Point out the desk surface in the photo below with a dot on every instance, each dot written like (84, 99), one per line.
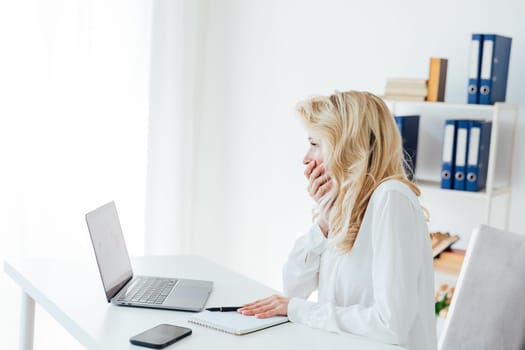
(84, 312)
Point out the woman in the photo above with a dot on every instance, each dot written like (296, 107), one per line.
(369, 253)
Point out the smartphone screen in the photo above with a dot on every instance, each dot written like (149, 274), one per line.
(160, 336)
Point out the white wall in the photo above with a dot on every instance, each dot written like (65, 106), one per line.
(74, 77)
(262, 57)
(73, 127)
(176, 53)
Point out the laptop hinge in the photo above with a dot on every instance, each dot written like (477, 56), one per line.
(115, 290)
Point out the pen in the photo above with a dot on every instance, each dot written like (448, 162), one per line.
(224, 308)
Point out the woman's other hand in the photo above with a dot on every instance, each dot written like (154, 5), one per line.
(318, 185)
(276, 305)
(318, 182)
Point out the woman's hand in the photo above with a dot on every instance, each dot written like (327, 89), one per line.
(318, 182)
(318, 185)
(275, 305)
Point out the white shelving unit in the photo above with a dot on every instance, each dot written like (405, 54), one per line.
(459, 212)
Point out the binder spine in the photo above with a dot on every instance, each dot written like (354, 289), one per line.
(485, 88)
(479, 148)
(447, 162)
(473, 156)
(483, 167)
(409, 129)
(476, 46)
(500, 68)
(461, 154)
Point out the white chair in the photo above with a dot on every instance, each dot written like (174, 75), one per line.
(488, 307)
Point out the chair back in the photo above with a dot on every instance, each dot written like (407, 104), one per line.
(488, 307)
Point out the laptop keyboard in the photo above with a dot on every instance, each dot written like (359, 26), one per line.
(148, 291)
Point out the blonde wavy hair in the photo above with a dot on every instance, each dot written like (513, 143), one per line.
(361, 148)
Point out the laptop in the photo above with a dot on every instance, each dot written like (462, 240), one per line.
(124, 288)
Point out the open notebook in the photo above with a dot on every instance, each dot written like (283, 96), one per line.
(234, 322)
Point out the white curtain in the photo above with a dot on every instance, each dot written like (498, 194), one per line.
(224, 159)
(176, 52)
(73, 133)
(73, 130)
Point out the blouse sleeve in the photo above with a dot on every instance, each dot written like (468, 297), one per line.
(301, 271)
(395, 266)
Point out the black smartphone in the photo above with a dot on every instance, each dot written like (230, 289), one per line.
(160, 336)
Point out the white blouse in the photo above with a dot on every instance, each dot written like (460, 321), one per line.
(383, 288)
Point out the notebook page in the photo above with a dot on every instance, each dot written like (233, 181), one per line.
(234, 322)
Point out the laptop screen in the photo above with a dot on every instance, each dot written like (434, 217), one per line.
(110, 249)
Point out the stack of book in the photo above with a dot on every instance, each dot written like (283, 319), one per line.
(441, 241)
(446, 259)
(450, 261)
(407, 89)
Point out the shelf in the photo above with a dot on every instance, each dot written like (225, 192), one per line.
(502, 105)
(433, 186)
(459, 212)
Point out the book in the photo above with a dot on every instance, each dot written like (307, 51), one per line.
(234, 322)
(404, 98)
(437, 79)
(415, 82)
(406, 91)
(408, 126)
(455, 255)
(409, 85)
(441, 241)
(450, 261)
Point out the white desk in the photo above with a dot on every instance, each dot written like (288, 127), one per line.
(84, 312)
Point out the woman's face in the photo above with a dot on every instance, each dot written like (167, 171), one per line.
(314, 153)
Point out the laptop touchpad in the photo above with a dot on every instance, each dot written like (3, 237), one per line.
(188, 296)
